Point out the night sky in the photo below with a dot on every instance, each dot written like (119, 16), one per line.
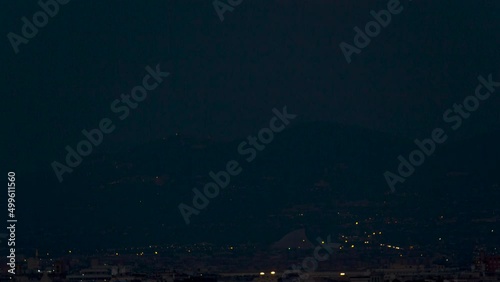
(226, 77)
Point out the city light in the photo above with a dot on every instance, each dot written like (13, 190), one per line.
(342, 273)
(273, 272)
(262, 273)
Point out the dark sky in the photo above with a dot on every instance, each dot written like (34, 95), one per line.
(227, 76)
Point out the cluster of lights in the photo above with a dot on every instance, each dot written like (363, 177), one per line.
(366, 242)
(392, 247)
(263, 273)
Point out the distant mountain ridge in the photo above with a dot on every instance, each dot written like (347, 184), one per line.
(316, 164)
